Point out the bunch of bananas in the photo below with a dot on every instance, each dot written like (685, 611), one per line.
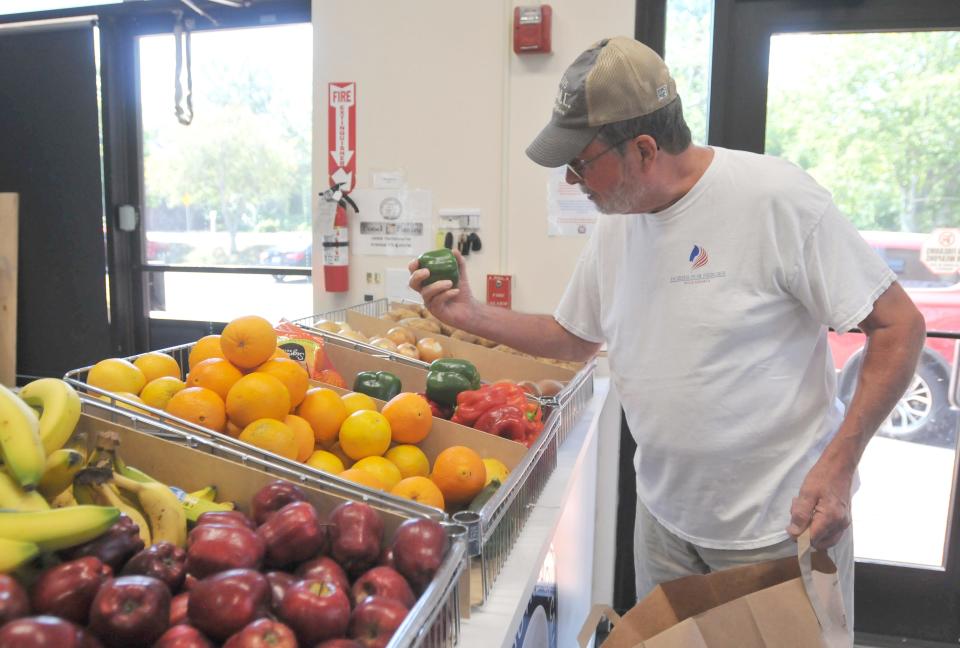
(53, 496)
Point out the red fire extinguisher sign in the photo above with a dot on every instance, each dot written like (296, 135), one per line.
(342, 134)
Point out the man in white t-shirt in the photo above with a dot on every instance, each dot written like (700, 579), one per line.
(712, 282)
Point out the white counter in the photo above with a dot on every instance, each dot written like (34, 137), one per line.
(564, 516)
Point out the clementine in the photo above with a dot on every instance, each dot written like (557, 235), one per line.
(365, 434)
(199, 405)
(216, 374)
(324, 410)
(256, 396)
(459, 473)
(206, 347)
(381, 468)
(271, 435)
(158, 392)
(410, 459)
(233, 429)
(409, 416)
(356, 401)
(156, 364)
(303, 433)
(419, 489)
(291, 374)
(117, 375)
(325, 461)
(248, 341)
(363, 478)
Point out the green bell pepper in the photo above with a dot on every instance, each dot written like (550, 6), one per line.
(442, 265)
(377, 384)
(447, 377)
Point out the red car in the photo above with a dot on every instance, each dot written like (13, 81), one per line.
(924, 413)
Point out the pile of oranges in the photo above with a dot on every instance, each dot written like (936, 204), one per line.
(240, 383)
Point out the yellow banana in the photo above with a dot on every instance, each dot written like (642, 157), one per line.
(168, 521)
(194, 507)
(57, 528)
(65, 498)
(110, 497)
(61, 467)
(60, 410)
(208, 493)
(14, 553)
(20, 443)
(14, 498)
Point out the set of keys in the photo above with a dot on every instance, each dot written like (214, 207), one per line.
(467, 243)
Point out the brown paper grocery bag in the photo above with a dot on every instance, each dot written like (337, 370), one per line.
(786, 603)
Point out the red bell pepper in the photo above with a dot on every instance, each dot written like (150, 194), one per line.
(502, 409)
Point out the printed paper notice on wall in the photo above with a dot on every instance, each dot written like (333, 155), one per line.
(392, 222)
(342, 134)
(569, 211)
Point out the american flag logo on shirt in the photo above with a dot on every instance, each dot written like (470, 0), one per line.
(698, 257)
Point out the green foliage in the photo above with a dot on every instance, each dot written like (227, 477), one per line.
(689, 42)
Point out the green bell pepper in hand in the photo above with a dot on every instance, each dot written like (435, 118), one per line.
(442, 265)
(377, 384)
(447, 377)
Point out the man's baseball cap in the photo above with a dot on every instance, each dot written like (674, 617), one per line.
(616, 79)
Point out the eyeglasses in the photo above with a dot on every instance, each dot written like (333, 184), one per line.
(578, 167)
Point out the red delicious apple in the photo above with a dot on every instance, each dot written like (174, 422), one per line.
(178, 608)
(213, 548)
(418, 549)
(224, 603)
(356, 531)
(326, 569)
(273, 497)
(113, 547)
(163, 560)
(189, 581)
(263, 633)
(44, 632)
(13, 600)
(293, 534)
(386, 557)
(339, 643)
(130, 611)
(182, 636)
(383, 581)
(374, 621)
(315, 610)
(238, 518)
(67, 590)
(280, 582)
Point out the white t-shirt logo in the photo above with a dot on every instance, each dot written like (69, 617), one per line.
(698, 257)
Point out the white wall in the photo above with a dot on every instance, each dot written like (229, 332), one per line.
(441, 95)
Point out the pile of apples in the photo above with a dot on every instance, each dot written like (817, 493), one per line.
(283, 577)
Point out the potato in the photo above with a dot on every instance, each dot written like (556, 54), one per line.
(399, 335)
(384, 343)
(550, 387)
(457, 334)
(409, 350)
(343, 327)
(403, 313)
(530, 387)
(421, 324)
(326, 325)
(485, 342)
(429, 349)
(355, 335)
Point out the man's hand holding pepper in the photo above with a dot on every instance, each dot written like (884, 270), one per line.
(450, 305)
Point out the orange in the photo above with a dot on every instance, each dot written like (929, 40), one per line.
(117, 375)
(324, 410)
(199, 405)
(256, 396)
(156, 364)
(206, 347)
(496, 469)
(271, 435)
(158, 392)
(356, 401)
(291, 374)
(419, 489)
(233, 429)
(303, 433)
(216, 374)
(127, 395)
(248, 341)
(332, 377)
(325, 461)
(365, 434)
(362, 477)
(382, 469)
(459, 473)
(409, 416)
(410, 460)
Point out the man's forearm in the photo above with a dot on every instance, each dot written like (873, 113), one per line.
(538, 335)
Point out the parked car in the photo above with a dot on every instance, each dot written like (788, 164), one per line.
(924, 413)
(296, 256)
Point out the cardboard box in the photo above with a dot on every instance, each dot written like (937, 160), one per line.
(786, 603)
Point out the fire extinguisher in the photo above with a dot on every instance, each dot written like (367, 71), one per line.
(336, 244)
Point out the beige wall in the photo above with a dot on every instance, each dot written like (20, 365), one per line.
(441, 95)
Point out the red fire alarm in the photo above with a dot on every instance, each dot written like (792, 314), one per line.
(531, 29)
(498, 290)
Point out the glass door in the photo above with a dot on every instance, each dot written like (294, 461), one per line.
(867, 100)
